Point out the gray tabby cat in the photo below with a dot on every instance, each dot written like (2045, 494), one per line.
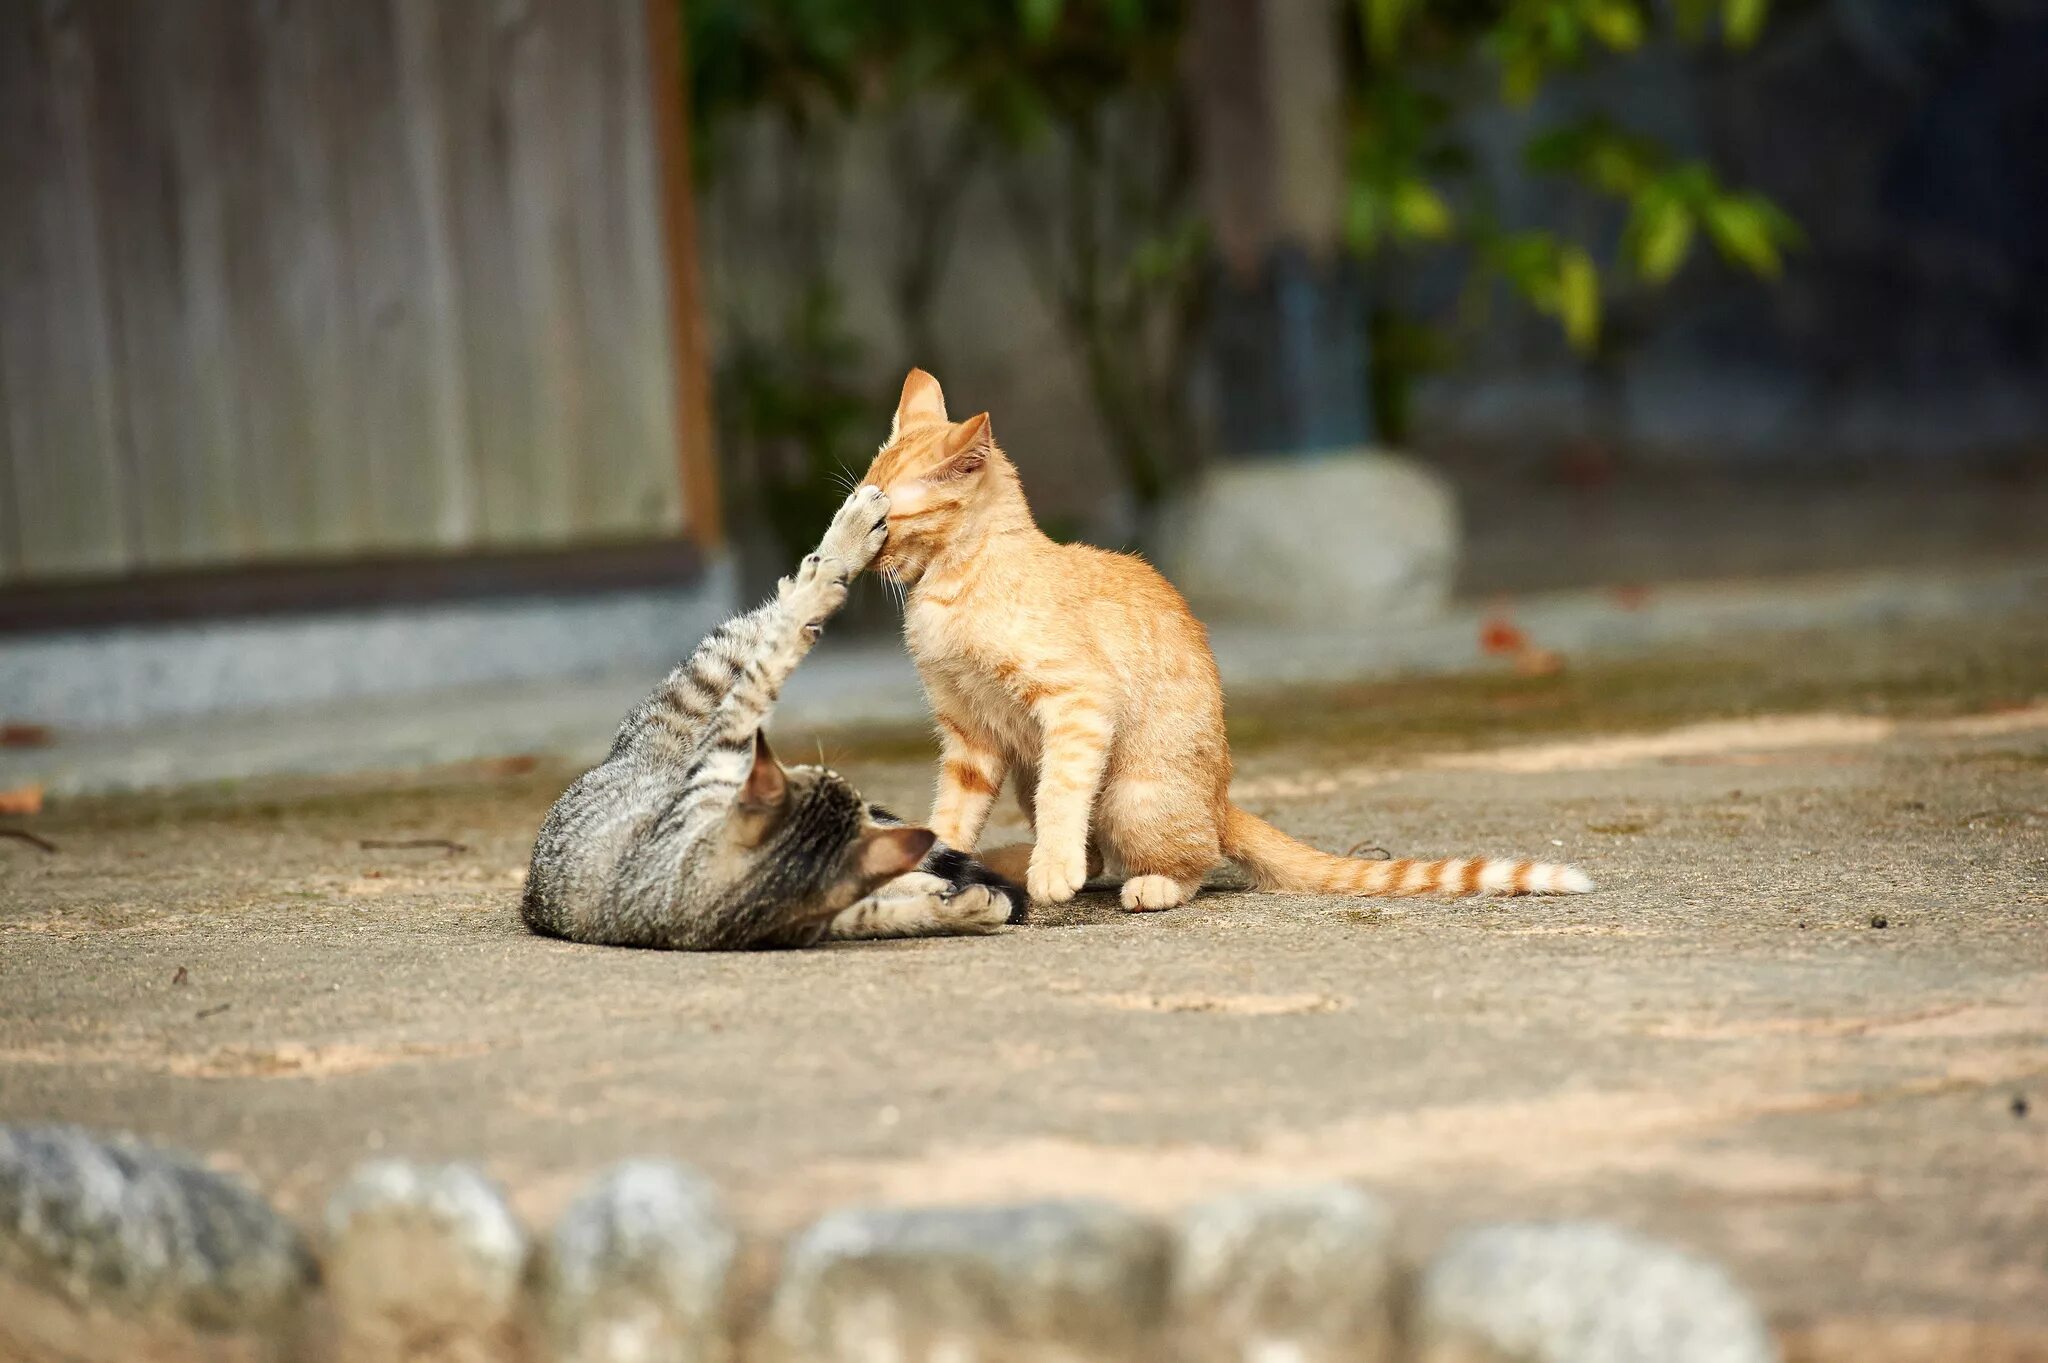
(691, 835)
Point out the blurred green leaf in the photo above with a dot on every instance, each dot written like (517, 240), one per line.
(1520, 78)
(1743, 20)
(1743, 232)
(1693, 18)
(1578, 297)
(1039, 18)
(1595, 150)
(1617, 23)
(1420, 211)
(1169, 255)
(1561, 27)
(1383, 21)
(1658, 237)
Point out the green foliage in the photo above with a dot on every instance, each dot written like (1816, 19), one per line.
(1406, 149)
(788, 401)
(1076, 113)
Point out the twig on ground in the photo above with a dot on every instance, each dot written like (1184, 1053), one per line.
(409, 844)
(1370, 851)
(29, 838)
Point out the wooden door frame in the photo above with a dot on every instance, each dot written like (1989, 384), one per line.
(668, 88)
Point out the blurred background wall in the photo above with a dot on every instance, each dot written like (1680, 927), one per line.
(292, 281)
(1899, 326)
(368, 348)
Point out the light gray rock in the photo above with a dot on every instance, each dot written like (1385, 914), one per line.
(1581, 1292)
(113, 1249)
(1335, 541)
(637, 1271)
(1304, 1274)
(424, 1262)
(1068, 1282)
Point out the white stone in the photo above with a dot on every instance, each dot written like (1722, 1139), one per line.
(637, 1271)
(1304, 1274)
(1340, 540)
(1581, 1292)
(1066, 1282)
(424, 1262)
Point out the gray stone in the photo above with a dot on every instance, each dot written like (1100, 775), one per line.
(1072, 1282)
(1581, 1292)
(1335, 541)
(1304, 1274)
(114, 1249)
(424, 1262)
(637, 1271)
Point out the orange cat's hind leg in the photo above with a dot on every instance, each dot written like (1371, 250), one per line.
(1148, 894)
(1162, 835)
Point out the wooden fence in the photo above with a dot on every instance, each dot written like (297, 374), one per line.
(303, 279)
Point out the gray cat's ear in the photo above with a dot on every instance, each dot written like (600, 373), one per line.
(763, 797)
(889, 852)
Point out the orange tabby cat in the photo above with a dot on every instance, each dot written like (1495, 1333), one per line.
(1080, 675)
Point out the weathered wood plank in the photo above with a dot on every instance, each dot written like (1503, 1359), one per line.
(287, 278)
(449, 449)
(397, 444)
(10, 520)
(498, 354)
(624, 486)
(538, 72)
(179, 497)
(70, 498)
(283, 282)
(197, 471)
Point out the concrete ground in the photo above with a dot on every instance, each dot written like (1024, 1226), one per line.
(1802, 1025)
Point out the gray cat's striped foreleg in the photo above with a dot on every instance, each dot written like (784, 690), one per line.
(783, 631)
(921, 905)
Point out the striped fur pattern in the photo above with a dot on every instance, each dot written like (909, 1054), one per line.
(691, 835)
(1082, 678)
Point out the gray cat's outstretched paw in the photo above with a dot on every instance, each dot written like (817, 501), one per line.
(858, 529)
(974, 909)
(817, 591)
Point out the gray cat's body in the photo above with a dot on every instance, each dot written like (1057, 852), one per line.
(690, 835)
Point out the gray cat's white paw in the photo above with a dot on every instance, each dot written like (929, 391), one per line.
(859, 528)
(974, 908)
(816, 592)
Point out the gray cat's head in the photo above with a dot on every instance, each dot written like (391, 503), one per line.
(801, 844)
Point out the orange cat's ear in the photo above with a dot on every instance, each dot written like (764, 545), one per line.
(922, 402)
(762, 798)
(968, 445)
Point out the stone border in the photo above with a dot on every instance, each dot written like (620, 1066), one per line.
(112, 1249)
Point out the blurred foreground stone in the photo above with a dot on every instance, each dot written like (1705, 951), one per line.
(424, 1262)
(636, 1271)
(1076, 1282)
(1306, 1274)
(111, 1249)
(1338, 540)
(1581, 1293)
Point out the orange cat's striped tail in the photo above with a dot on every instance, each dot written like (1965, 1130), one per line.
(1278, 862)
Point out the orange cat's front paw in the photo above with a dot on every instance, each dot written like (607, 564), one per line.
(1054, 878)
